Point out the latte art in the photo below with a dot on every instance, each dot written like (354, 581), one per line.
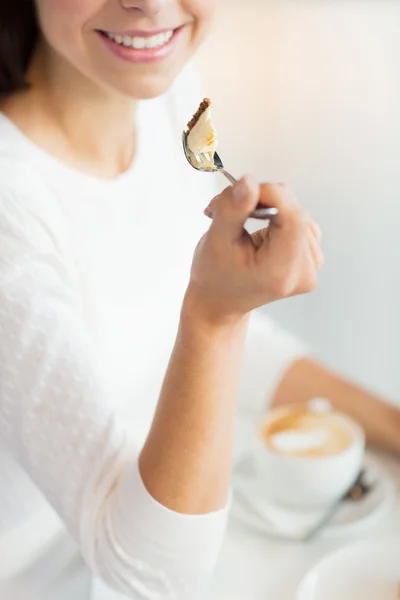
(307, 434)
(299, 441)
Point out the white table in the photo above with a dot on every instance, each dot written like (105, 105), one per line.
(253, 568)
(250, 568)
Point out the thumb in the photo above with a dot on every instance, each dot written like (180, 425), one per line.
(231, 209)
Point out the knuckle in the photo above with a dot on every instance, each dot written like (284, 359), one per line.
(315, 227)
(290, 284)
(266, 187)
(283, 187)
(215, 203)
(273, 190)
(302, 216)
(310, 282)
(284, 290)
(283, 287)
(299, 219)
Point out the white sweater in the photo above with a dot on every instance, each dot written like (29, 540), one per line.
(92, 275)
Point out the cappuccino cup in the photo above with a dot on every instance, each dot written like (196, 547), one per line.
(308, 457)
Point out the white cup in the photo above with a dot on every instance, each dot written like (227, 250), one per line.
(308, 481)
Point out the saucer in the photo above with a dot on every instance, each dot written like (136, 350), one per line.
(367, 570)
(252, 506)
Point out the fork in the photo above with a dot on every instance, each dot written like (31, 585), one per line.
(205, 165)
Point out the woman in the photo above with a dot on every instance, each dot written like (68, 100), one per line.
(105, 319)
(102, 306)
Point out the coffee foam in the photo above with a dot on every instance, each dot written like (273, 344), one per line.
(308, 433)
(292, 441)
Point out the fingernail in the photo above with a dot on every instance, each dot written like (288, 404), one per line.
(240, 190)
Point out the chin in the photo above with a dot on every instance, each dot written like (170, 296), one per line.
(146, 88)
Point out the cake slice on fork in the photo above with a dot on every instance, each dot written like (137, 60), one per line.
(201, 134)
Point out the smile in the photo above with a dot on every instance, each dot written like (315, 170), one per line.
(141, 46)
(139, 42)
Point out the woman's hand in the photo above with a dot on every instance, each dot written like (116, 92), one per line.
(234, 272)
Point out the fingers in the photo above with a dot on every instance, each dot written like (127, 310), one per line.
(316, 253)
(294, 247)
(231, 209)
(288, 249)
(315, 244)
(280, 196)
(262, 236)
(316, 231)
(270, 195)
(293, 218)
(283, 198)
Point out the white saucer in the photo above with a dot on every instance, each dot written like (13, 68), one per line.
(276, 522)
(364, 571)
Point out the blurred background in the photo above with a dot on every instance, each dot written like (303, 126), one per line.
(308, 92)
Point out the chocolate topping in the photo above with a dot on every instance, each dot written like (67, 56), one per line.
(202, 108)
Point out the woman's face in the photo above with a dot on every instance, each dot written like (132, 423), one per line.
(134, 47)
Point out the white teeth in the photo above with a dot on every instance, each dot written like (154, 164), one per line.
(161, 39)
(139, 43)
(151, 42)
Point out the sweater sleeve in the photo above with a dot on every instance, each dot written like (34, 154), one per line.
(57, 420)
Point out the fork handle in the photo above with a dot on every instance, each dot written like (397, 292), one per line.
(229, 177)
(261, 212)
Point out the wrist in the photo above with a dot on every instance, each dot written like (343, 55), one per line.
(199, 308)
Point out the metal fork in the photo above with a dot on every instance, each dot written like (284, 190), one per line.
(207, 166)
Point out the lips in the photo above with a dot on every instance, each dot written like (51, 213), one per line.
(141, 46)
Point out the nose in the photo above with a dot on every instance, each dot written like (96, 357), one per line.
(147, 7)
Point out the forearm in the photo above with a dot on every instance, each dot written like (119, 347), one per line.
(186, 461)
(306, 379)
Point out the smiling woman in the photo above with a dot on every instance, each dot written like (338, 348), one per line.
(121, 336)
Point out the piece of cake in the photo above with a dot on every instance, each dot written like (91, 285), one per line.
(201, 134)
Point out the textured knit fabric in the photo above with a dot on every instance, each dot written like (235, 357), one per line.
(92, 275)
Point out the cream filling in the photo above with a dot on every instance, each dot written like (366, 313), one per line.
(202, 138)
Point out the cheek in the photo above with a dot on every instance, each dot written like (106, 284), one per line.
(202, 10)
(65, 20)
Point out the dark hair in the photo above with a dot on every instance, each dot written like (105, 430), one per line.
(18, 37)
